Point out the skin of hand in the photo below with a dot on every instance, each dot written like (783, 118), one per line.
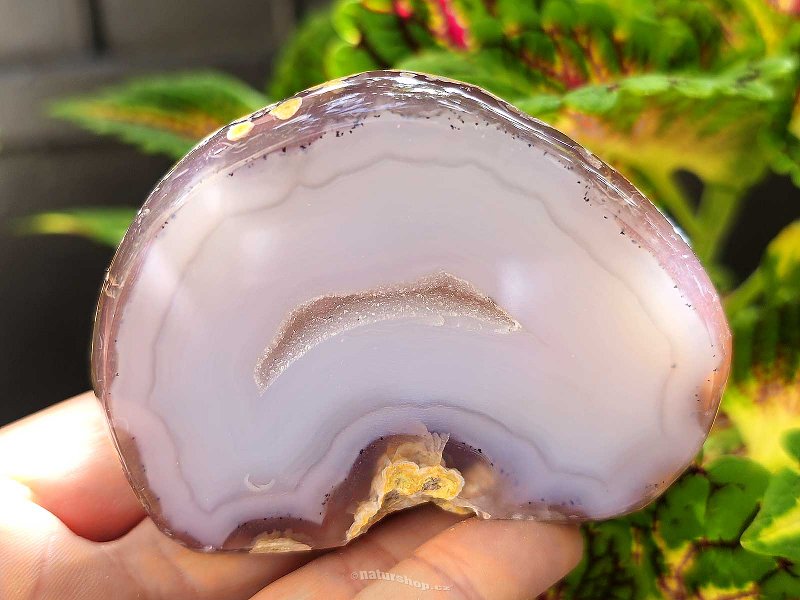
(71, 527)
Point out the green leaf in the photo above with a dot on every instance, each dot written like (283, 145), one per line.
(344, 59)
(737, 487)
(559, 13)
(593, 99)
(782, 585)
(164, 114)
(543, 106)
(764, 402)
(794, 123)
(698, 123)
(791, 443)
(762, 409)
(385, 35)
(103, 225)
(647, 85)
(621, 561)
(784, 154)
(301, 63)
(776, 529)
(727, 567)
(773, 27)
(724, 439)
(487, 70)
(345, 21)
(681, 513)
(765, 317)
(782, 263)
(515, 15)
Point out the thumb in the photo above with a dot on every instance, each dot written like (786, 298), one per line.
(497, 560)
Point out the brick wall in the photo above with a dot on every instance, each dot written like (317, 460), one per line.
(50, 49)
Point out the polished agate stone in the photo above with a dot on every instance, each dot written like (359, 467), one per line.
(394, 289)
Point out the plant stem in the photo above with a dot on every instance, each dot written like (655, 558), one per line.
(675, 201)
(743, 295)
(719, 207)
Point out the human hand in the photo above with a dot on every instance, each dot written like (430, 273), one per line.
(70, 527)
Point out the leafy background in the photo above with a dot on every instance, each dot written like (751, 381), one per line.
(696, 101)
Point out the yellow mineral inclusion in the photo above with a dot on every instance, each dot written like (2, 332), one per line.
(275, 542)
(239, 130)
(408, 478)
(329, 86)
(413, 475)
(286, 109)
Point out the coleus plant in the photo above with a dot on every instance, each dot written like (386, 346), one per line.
(656, 88)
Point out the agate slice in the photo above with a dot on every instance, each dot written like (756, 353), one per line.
(394, 289)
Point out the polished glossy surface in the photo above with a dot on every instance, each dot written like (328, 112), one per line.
(392, 289)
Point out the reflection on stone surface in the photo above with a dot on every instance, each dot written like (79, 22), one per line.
(394, 289)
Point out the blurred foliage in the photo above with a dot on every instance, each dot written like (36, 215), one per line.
(104, 225)
(167, 114)
(654, 87)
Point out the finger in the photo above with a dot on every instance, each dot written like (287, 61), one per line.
(65, 456)
(338, 574)
(163, 568)
(38, 552)
(41, 558)
(496, 560)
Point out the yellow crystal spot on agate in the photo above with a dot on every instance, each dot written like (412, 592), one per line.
(463, 508)
(330, 85)
(408, 478)
(413, 474)
(239, 130)
(275, 542)
(286, 109)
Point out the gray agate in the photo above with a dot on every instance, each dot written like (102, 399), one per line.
(393, 289)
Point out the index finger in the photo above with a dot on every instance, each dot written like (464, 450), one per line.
(496, 560)
(64, 454)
